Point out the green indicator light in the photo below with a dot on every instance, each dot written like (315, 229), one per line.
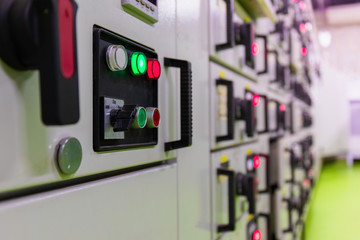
(141, 63)
(142, 117)
(134, 68)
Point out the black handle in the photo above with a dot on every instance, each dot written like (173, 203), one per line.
(277, 115)
(230, 110)
(230, 226)
(230, 33)
(267, 172)
(186, 103)
(264, 37)
(289, 203)
(278, 66)
(266, 115)
(41, 34)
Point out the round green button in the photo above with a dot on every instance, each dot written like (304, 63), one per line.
(69, 155)
(142, 117)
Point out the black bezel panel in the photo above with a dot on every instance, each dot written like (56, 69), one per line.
(120, 85)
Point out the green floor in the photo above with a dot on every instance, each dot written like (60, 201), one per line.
(334, 213)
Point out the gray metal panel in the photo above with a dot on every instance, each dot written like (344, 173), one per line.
(194, 161)
(141, 205)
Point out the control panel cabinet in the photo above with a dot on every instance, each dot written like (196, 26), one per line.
(120, 73)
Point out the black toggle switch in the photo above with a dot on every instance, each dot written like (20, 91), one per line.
(123, 118)
(41, 34)
(246, 185)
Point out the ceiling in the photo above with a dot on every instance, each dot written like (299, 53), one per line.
(322, 4)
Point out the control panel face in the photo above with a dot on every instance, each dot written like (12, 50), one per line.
(126, 113)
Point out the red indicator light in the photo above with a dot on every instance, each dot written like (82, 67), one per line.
(302, 5)
(303, 51)
(153, 117)
(256, 235)
(256, 100)
(156, 117)
(282, 107)
(256, 161)
(255, 49)
(302, 28)
(296, 1)
(153, 69)
(306, 182)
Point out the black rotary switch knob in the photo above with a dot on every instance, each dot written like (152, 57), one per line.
(122, 118)
(41, 35)
(246, 185)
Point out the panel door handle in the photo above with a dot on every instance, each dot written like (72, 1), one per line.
(267, 172)
(230, 110)
(265, 70)
(186, 103)
(266, 115)
(230, 226)
(230, 31)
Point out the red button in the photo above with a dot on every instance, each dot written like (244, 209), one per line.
(255, 49)
(256, 100)
(256, 235)
(156, 117)
(256, 161)
(154, 69)
(282, 107)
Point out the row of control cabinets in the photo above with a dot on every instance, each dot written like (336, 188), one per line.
(155, 119)
(262, 157)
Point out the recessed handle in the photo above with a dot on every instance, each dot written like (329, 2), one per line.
(41, 34)
(230, 32)
(230, 226)
(266, 115)
(267, 172)
(230, 110)
(265, 70)
(185, 101)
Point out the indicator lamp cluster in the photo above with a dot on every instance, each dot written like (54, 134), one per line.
(118, 59)
(253, 162)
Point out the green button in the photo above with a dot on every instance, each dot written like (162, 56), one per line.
(69, 155)
(142, 117)
(141, 63)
